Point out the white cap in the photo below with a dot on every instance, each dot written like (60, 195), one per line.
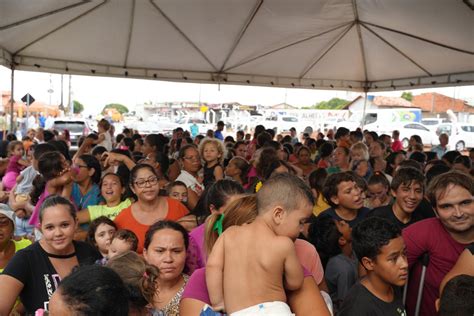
(7, 211)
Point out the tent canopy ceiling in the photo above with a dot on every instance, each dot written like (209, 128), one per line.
(342, 44)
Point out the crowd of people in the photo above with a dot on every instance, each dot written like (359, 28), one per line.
(342, 223)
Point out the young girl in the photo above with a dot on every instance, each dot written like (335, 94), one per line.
(15, 164)
(360, 160)
(105, 139)
(112, 189)
(316, 182)
(378, 192)
(100, 234)
(55, 179)
(237, 169)
(212, 151)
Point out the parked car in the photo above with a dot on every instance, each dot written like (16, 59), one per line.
(282, 123)
(461, 135)
(408, 129)
(77, 127)
(433, 123)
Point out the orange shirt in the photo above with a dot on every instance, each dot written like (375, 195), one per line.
(125, 220)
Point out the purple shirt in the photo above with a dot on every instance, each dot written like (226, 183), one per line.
(34, 218)
(196, 254)
(13, 165)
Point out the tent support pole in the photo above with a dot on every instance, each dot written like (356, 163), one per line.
(12, 100)
(363, 112)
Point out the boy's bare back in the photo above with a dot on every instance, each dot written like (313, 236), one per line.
(254, 265)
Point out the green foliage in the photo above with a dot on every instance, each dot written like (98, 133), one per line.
(407, 96)
(77, 107)
(333, 104)
(119, 107)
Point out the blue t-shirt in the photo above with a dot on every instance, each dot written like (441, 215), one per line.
(218, 135)
(92, 197)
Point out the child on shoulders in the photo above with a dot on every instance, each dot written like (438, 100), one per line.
(244, 274)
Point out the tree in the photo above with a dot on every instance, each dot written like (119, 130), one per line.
(333, 104)
(119, 107)
(77, 107)
(407, 96)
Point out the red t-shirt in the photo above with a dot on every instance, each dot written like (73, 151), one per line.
(125, 220)
(397, 145)
(429, 236)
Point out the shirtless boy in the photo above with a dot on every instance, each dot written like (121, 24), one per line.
(250, 266)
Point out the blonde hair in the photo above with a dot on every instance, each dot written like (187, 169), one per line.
(216, 142)
(361, 147)
(240, 211)
(140, 278)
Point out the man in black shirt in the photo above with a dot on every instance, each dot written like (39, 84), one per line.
(407, 188)
(381, 250)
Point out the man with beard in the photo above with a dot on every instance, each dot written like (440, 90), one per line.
(443, 237)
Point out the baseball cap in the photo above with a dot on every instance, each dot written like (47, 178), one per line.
(7, 211)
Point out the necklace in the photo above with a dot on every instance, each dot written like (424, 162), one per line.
(51, 255)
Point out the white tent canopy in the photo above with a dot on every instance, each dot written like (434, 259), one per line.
(342, 44)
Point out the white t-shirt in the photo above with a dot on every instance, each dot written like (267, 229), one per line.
(107, 142)
(190, 181)
(25, 186)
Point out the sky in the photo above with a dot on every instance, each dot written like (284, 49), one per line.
(95, 92)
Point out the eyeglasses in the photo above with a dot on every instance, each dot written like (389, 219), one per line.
(151, 181)
(193, 158)
(80, 166)
(4, 222)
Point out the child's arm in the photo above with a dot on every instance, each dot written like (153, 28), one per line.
(85, 148)
(100, 139)
(23, 162)
(215, 274)
(84, 216)
(218, 173)
(19, 179)
(293, 271)
(55, 186)
(111, 158)
(67, 190)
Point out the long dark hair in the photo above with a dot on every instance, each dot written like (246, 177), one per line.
(49, 167)
(92, 163)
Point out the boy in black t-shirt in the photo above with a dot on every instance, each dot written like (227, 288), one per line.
(407, 188)
(381, 250)
(343, 192)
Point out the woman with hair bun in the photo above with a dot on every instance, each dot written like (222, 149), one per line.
(140, 278)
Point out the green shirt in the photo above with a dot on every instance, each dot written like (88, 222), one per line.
(96, 211)
(19, 244)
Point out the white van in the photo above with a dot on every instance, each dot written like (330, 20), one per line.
(461, 135)
(282, 123)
